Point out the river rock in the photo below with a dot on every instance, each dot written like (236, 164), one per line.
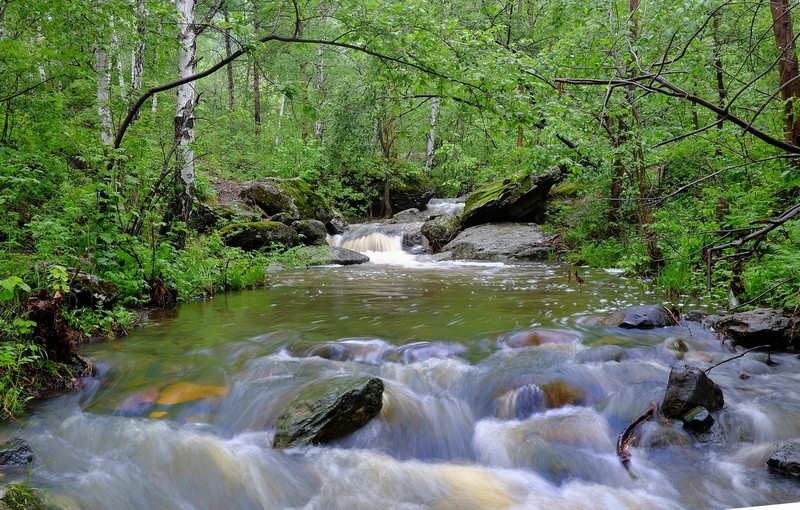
(520, 198)
(640, 317)
(337, 225)
(293, 197)
(787, 459)
(409, 216)
(601, 354)
(689, 387)
(698, 419)
(258, 235)
(499, 241)
(329, 409)
(208, 217)
(331, 255)
(310, 232)
(759, 327)
(441, 230)
(15, 452)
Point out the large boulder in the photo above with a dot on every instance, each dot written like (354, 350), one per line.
(258, 235)
(689, 387)
(208, 217)
(787, 459)
(640, 317)
(520, 198)
(441, 230)
(89, 291)
(294, 197)
(310, 232)
(499, 241)
(329, 409)
(759, 327)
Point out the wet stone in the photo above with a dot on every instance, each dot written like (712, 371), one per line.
(787, 459)
(15, 452)
(698, 419)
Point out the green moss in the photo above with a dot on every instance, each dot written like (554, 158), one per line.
(21, 497)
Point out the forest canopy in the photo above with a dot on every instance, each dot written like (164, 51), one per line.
(677, 122)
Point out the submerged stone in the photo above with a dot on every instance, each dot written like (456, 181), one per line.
(187, 391)
(329, 409)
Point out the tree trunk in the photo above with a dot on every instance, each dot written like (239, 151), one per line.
(722, 92)
(431, 149)
(256, 81)
(137, 60)
(228, 53)
(319, 84)
(787, 66)
(184, 115)
(102, 68)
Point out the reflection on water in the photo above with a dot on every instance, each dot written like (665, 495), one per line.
(501, 392)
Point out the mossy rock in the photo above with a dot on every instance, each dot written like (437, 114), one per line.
(329, 409)
(311, 232)
(258, 235)
(208, 217)
(291, 196)
(515, 199)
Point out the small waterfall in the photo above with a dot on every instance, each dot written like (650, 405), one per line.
(368, 242)
(439, 206)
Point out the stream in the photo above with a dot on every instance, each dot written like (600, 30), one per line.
(501, 392)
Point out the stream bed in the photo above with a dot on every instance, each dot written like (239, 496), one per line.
(501, 392)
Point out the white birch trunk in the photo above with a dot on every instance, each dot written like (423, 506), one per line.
(281, 108)
(319, 83)
(103, 69)
(137, 59)
(429, 152)
(184, 113)
(116, 52)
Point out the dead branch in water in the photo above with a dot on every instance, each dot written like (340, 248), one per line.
(626, 438)
(739, 356)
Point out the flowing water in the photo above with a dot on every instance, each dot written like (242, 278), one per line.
(501, 392)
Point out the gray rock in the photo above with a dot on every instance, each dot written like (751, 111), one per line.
(15, 452)
(329, 409)
(87, 290)
(520, 198)
(327, 255)
(409, 216)
(441, 230)
(787, 459)
(689, 387)
(694, 316)
(258, 235)
(759, 327)
(337, 225)
(311, 232)
(641, 317)
(500, 241)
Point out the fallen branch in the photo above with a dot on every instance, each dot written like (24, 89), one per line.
(626, 438)
(739, 356)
